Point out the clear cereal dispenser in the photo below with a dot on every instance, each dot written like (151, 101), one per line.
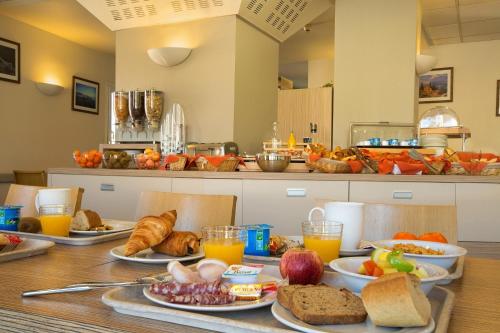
(153, 107)
(119, 101)
(136, 108)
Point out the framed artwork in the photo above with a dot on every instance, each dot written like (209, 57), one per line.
(436, 86)
(85, 96)
(10, 61)
(498, 99)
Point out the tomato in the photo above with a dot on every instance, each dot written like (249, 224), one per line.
(404, 235)
(433, 237)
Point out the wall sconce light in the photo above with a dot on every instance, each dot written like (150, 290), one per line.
(49, 89)
(169, 56)
(424, 63)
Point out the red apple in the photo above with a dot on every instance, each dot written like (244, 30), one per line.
(301, 266)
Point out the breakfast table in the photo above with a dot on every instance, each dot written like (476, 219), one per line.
(476, 304)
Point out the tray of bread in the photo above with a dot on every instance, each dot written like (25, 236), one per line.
(14, 247)
(154, 241)
(322, 305)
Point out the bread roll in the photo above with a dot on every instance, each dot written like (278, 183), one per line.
(85, 220)
(396, 300)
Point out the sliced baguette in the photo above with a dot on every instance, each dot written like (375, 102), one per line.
(322, 305)
(396, 300)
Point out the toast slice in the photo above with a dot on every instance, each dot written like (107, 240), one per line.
(323, 305)
(285, 293)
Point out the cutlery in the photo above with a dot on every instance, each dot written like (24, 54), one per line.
(84, 286)
(419, 157)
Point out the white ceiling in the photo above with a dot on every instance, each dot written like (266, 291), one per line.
(458, 21)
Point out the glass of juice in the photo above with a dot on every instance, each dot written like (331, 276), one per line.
(55, 220)
(324, 237)
(225, 243)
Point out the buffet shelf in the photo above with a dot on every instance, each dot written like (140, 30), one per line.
(277, 176)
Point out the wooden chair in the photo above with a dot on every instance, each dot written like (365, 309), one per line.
(32, 178)
(24, 195)
(193, 210)
(382, 221)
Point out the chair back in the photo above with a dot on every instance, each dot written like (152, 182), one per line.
(32, 178)
(193, 210)
(382, 221)
(24, 195)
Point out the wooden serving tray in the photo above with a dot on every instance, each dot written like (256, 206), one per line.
(130, 301)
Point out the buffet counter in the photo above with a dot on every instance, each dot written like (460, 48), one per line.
(259, 175)
(286, 198)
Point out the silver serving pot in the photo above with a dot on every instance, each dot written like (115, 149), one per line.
(272, 162)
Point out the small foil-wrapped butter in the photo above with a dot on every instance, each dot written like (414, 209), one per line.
(252, 291)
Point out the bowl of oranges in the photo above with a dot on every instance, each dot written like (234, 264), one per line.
(150, 159)
(88, 159)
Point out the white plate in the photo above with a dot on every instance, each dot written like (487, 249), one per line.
(115, 224)
(287, 318)
(268, 299)
(28, 248)
(355, 253)
(148, 256)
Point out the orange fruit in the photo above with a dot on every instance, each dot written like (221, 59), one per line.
(404, 235)
(89, 165)
(76, 153)
(433, 237)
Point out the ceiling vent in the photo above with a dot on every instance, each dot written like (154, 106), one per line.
(278, 18)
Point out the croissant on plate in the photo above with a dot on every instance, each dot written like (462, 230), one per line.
(179, 244)
(150, 231)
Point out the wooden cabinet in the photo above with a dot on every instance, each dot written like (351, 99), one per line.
(111, 196)
(212, 186)
(297, 108)
(478, 211)
(406, 193)
(286, 203)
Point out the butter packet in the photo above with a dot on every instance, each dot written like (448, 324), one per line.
(243, 273)
(253, 291)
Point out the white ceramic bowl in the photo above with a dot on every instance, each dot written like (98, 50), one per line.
(348, 268)
(451, 252)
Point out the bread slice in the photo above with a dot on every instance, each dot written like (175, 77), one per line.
(285, 293)
(396, 300)
(322, 305)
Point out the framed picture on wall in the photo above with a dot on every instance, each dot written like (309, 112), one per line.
(85, 96)
(498, 99)
(10, 61)
(436, 86)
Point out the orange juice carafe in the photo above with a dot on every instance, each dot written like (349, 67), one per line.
(55, 220)
(226, 243)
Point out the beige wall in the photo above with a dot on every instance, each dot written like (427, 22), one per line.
(319, 72)
(38, 131)
(256, 93)
(476, 69)
(375, 49)
(203, 84)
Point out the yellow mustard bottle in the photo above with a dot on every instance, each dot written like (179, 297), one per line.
(291, 141)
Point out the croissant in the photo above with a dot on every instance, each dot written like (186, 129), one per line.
(150, 231)
(179, 244)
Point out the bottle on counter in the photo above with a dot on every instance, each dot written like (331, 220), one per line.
(275, 140)
(291, 141)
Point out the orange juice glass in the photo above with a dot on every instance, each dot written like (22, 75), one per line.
(225, 243)
(324, 237)
(55, 220)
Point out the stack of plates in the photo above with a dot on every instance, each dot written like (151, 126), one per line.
(437, 141)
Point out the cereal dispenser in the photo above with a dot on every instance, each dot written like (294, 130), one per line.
(153, 107)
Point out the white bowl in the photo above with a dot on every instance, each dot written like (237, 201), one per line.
(348, 268)
(451, 252)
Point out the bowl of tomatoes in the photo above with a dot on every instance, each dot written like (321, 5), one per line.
(88, 159)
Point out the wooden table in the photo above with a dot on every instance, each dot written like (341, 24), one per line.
(477, 307)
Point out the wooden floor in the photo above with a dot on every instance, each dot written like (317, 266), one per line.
(482, 249)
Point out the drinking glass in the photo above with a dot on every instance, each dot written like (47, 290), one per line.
(55, 220)
(324, 237)
(225, 243)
